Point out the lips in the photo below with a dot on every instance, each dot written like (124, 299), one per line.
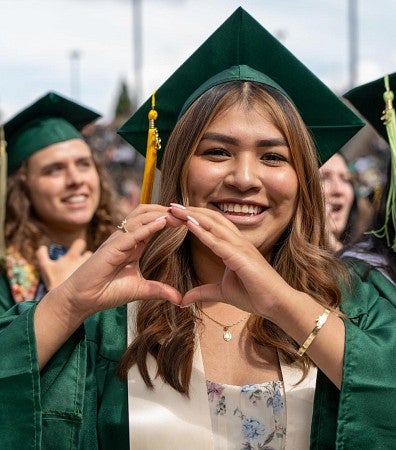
(240, 208)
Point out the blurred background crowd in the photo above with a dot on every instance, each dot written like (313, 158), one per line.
(111, 54)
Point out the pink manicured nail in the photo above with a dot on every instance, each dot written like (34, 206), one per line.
(159, 218)
(192, 220)
(177, 205)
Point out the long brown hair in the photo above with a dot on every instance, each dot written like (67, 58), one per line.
(300, 256)
(26, 232)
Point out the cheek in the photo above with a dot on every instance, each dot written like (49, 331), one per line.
(194, 188)
(283, 185)
(42, 192)
(326, 189)
(95, 183)
(351, 197)
(199, 179)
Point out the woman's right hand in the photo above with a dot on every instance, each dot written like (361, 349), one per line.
(111, 276)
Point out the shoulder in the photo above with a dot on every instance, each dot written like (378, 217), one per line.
(367, 288)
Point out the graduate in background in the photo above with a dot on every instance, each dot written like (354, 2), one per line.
(340, 200)
(278, 344)
(374, 101)
(59, 198)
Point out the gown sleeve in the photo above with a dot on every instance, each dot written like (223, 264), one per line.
(68, 404)
(6, 299)
(362, 414)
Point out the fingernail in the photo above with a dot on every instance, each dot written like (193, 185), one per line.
(192, 220)
(177, 205)
(160, 218)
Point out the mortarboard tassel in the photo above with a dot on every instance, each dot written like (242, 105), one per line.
(153, 145)
(389, 118)
(3, 193)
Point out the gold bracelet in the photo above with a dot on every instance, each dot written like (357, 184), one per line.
(320, 321)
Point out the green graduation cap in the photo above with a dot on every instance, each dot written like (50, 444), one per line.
(368, 99)
(49, 120)
(242, 49)
(375, 101)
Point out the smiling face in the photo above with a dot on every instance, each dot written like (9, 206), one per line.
(338, 192)
(242, 168)
(64, 186)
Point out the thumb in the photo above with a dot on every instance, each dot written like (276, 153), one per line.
(42, 255)
(204, 293)
(155, 290)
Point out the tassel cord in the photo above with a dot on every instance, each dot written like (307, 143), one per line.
(389, 118)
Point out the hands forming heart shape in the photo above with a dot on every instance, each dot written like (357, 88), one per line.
(112, 277)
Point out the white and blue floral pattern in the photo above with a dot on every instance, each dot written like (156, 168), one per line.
(251, 417)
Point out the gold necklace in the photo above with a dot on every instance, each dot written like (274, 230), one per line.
(227, 336)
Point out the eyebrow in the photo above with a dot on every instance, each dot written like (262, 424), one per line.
(272, 142)
(60, 162)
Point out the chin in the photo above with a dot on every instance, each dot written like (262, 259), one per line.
(77, 221)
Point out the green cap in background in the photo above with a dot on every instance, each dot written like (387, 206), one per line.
(368, 99)
(375, 101)
(49, 120)
(241, 49)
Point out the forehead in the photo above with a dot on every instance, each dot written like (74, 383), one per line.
(242, 113)
(66, 150)
(335, 164)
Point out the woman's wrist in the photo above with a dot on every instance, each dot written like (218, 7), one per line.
(61, 309)
(296, 314)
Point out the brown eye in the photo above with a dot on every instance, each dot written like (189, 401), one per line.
(52, 170)
(273, 158)
(216, 151)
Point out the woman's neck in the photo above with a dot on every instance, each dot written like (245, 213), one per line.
(208, 267)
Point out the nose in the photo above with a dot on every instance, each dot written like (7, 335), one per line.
(336, 186)
(243, 173)
(73, 176)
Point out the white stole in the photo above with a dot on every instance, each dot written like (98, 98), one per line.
(161, 418)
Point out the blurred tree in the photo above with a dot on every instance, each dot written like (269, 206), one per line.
(124, 105)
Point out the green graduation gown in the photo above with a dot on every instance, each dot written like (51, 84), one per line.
(77, 402)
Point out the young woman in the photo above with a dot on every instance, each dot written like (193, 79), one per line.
(59, 198)
(340, 201)
(236, 333)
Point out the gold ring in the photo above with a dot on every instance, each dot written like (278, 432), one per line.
(122, 226)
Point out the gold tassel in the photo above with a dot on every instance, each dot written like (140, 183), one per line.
(153, 145)
(3, 194)
(389, 118)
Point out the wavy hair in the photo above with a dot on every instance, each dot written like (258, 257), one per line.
(24, 230)
(167, 332)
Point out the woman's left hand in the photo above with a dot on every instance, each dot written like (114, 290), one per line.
(249, 282)
(252, 284)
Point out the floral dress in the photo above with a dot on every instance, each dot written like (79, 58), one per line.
(251, 417)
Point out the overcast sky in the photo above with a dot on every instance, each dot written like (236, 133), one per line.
(38, 37)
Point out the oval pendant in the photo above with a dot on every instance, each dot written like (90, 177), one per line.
(227, 336)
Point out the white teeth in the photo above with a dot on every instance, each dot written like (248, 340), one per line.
(76, 199)
(237, 208)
